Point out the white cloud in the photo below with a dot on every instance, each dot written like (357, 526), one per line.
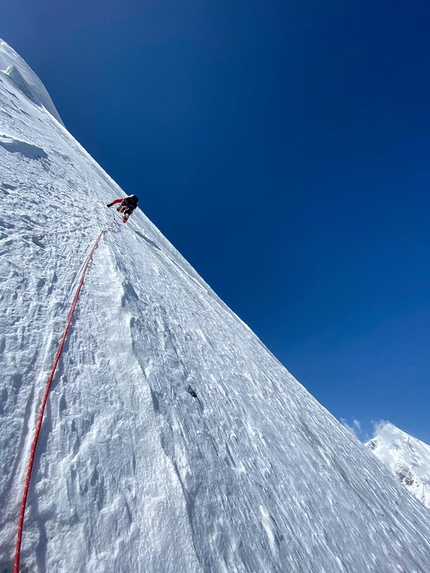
(351, 428)
(355, 428)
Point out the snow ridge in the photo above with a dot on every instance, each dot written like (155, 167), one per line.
(132, 473)
(406, 457)
(22, 76)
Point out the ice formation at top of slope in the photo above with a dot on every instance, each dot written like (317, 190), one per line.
(132, 472)
(25, 79)
(406, 457)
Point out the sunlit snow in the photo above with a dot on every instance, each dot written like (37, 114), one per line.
(133, 473)
(406, 457)
(24, 79)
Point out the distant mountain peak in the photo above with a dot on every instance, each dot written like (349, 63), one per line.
(406, 457)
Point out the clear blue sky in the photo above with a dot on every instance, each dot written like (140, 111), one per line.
(283, 147)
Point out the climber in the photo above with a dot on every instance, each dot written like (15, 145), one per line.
(126, 206)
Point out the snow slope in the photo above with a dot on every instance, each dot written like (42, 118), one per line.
(22, 77)
(406, 457)
(132, 473)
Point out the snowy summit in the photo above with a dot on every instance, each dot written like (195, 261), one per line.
(173, 440)
(406, 457)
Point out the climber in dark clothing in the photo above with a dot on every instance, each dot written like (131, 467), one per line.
(126, 206)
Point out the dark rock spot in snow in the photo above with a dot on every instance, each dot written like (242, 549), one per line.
(155, 402)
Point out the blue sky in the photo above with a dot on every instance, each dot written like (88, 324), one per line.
(283, 148)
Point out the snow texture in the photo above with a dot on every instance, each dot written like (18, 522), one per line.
(22, 77)
(26, 149)
(133, 473)
(406, 457)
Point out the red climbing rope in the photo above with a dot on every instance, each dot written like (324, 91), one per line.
(45, 398)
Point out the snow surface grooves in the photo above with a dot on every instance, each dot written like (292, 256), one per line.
(229, 450)
(45, 399)
(163, 342)
(78, 442)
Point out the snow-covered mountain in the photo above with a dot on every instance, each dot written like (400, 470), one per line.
(132, 473)
(406, 457)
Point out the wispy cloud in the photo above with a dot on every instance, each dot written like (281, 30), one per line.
(355, 428)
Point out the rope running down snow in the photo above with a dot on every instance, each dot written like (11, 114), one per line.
(45, 398)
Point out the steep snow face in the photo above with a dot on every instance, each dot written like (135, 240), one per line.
(406, 457)
(132, 472)
(23, 78)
